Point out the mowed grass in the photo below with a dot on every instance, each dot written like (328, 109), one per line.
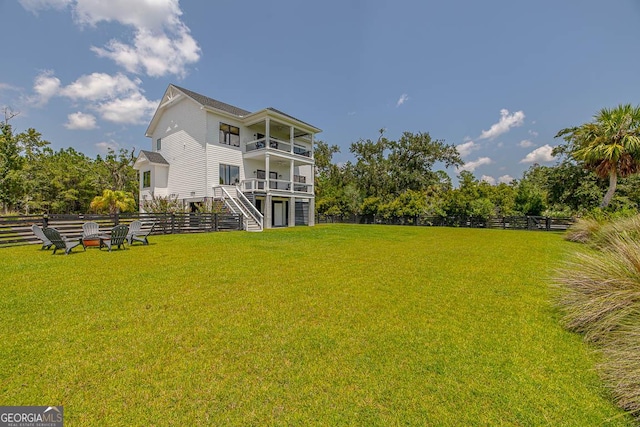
(327, 325)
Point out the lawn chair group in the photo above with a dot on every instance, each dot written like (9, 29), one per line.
(92, 236)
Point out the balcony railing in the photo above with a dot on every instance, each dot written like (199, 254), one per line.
(276, 144)
(260, 185)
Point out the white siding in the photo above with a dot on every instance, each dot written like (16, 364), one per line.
(222, 153)
(182, 129)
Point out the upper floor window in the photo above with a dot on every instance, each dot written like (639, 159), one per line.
(158, 144)
(146, 179)
(229, 135)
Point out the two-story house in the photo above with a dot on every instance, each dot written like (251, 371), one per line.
(260, 164)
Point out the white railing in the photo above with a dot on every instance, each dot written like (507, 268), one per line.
(276, 144)
(253, 185)
(251, 209)
(231, 195)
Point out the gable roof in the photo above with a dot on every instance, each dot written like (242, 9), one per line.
(175, 92)
(213, 103)
(154, 157)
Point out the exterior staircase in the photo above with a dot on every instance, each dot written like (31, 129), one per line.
(238, 204)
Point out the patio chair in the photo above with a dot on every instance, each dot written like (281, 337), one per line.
(90, 234)
(90, 229)
(136, 234)
(117, 238)
(59, 241)
(46, 243)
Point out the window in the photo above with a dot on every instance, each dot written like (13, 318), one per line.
(229, 175)
(158, 144)
(146, 179)
(229, 135)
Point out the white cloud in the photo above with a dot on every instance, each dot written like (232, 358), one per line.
(539, 155)
(403, 98)
(491, 180)
(162, 43)
(506, 122)
(525, 143)
(138, 13)
(466, 148)
(45, 87)
(507, 179)
(533, 133)
(134, 109)
(81, 121)
(103, 147)
(34, 6)
(99, 86)
(472, 166)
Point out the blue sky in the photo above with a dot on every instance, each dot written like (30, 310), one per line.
(496, 78)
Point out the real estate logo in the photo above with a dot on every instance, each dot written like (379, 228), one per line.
(31, 416)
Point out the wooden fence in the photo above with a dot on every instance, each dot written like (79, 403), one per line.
(540, 223)
(16, 230)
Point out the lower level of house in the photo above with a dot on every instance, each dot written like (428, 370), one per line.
(261, 210)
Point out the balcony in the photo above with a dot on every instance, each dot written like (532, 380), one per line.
(277, 146)
(275, 186)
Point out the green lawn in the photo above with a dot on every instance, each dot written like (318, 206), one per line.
(329, 325)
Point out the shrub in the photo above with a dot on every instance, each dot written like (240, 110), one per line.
(600, 297)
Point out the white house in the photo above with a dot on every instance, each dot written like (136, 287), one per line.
(261, 164)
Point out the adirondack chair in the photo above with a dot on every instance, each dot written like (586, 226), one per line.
(90, 234)
(46, 243)
(117, 238)
(137, 234)
(90, 229)
(59, 241)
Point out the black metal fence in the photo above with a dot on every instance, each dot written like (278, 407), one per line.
(16, 230)
(540, 223)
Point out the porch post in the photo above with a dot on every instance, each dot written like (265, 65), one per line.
(291, 137)
(292, 211)
(267, 201)
(312, 212)
(266, 132)
(266, 171)
(291, 171)
(267, 212)
(312, 155)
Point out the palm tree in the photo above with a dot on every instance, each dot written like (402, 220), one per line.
(113, 201)
(609, 145)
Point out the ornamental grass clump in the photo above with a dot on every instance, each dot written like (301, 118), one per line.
(600, 297)
(583, 230)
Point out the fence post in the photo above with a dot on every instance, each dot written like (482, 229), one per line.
(215, 222)
(173, 222)
(116, 218)
(45, 220)
(548, 223)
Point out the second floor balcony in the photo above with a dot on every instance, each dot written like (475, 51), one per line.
(278, 146)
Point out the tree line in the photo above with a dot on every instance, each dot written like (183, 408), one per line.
(36, 179)
(390, 178)
(397, 178)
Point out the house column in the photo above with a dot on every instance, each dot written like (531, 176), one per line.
(267, 131)
(312, 150)
(291, 138)
(291, 171)
(267, 202)
(268, 212)
(312, 212)
(292, 211)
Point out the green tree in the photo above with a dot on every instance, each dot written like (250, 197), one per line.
(113, 202)
(10, 166)
(609, 145)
